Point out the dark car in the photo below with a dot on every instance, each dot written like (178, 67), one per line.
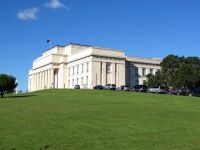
(195, 92)
(179, 91)
(76, 86)
(140, 88)
(110, 87)
(123, 88)
(98, 87)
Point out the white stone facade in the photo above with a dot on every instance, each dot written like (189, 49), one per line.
(138, 68)
(87, 66)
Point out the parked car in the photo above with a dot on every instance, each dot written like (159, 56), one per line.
(195, 92)
(123, 88)
(120, 88)
(140, 88)
(126, 88)
(76, 86)
(157, 89)
(110, 87)
(179, 91)
(98, 87)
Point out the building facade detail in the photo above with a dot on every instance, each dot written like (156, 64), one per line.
(87, 66)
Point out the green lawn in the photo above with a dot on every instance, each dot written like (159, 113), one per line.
(99, 120)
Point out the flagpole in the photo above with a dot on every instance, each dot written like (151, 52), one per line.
(50, 44)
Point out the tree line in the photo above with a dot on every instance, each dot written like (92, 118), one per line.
(177, 72)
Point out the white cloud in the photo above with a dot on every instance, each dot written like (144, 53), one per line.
(28, 14)
(55, 4)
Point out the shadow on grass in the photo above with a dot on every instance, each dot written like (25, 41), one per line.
(17, 96)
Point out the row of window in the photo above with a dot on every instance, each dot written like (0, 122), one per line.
(144, 72)
(77, 69)
(78, 81)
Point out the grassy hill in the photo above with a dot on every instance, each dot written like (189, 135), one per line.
(99, 120)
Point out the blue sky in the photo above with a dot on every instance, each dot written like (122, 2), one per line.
(147, 28)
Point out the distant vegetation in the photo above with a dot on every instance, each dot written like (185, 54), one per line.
(7, 84)
(177, 72)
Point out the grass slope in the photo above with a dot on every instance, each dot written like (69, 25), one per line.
(99, 120)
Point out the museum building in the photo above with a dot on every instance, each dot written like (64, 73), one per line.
(87, 66)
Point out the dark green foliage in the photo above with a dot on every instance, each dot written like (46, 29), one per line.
(156, 79)
(177, 72)
(7, 84)
(169, 70)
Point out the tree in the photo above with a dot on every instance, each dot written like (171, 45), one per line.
(155, 80)
(189, 73)
(151, 80)
(177, 72)
(170, 66)
(7, 84)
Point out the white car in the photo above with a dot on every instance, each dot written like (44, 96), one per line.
(157, 89)
(110, 87)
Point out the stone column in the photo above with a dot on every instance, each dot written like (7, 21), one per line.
(113, 73)
(37, 80)
(48, 79)
(38, 88)
(44, 78)
(45, 81)
(103, 73)
(40, 80)
(52, 78)
(34, 81)
(41, 86)
(117, 75)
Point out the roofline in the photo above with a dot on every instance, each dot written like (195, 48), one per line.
(111, 49)
(160, 59)
(54, 47)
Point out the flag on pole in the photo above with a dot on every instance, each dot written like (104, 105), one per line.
(49, 40)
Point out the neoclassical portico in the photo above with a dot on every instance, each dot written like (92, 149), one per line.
(87, 66)
(43, 79)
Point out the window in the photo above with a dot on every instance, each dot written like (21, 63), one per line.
(81, 81)
(87, 69)
(68, 71)
(143, 71)
(73, 71)
(136, 71)
(108, 67)
(78, 69)
(68, 83)
(77, 81)
(86, 80)
(136, 82)
(72, 82)
(82, 68)
(151, 70)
